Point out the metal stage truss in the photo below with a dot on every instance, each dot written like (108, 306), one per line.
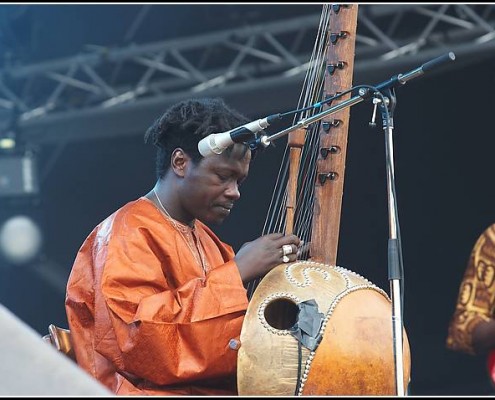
(108, 91)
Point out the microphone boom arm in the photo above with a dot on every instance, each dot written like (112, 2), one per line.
(303, 123)
(364, 93)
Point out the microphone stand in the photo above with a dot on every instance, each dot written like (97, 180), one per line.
(395, 265)
(387, 105)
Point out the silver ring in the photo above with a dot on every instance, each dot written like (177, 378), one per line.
(286, 249)
(285, 259)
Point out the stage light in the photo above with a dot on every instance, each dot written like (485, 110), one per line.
(7, 140)
(18, 174)
(7, 143)
(20, 240)
(9, 130)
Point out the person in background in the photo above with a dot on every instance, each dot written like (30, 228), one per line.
(472, 327)
(155, 300)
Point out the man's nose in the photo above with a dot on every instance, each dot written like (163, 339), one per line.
(232, 191)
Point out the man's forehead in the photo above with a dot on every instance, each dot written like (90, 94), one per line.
(237, 152)
(228, 159)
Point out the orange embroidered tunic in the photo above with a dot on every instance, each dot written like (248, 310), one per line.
(476, 300)
(145, 316)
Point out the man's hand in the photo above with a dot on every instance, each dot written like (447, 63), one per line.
(256, 258)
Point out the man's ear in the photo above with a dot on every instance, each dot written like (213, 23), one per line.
(179, 162)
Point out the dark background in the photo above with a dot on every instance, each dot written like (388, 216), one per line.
(443, 142)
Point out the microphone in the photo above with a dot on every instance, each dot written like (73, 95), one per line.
(216, 143)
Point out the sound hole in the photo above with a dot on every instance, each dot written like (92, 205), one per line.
(281, 313)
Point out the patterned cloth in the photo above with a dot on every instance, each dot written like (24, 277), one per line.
(476, 300)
